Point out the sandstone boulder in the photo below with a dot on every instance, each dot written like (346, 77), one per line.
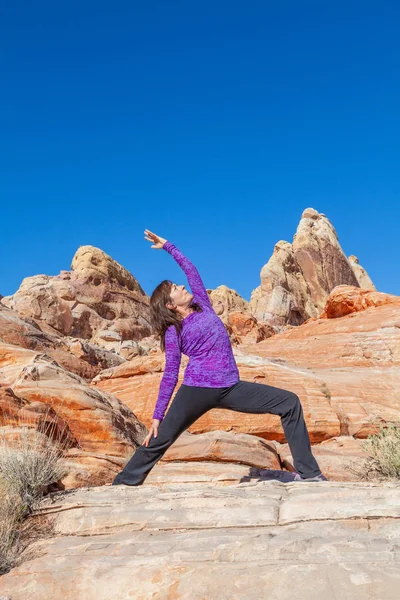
(243, 328)
(346, 299)
(38, 393)
(283, 296)
(97, 295)
(221, 446)
(226, 300)
(235, 313)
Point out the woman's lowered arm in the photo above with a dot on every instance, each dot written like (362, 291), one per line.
(171, 372)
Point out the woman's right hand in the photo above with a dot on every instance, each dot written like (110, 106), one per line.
(153, 431)
(156, 239)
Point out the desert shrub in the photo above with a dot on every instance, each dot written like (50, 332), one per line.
(11, 513)
(383, 450)
(30, 460)
(29, 464)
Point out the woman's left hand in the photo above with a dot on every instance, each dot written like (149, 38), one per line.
(152, 431)
(152, 237)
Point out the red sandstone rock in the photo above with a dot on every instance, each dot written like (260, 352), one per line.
(346, 299)
(38, 393)
(246, 329)
(357, 357)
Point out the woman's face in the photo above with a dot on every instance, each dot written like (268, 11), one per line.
(179, 295)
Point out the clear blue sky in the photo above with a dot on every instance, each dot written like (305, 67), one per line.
(214, 124)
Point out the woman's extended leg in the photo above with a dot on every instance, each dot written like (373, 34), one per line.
(186, 407)
(249, 397)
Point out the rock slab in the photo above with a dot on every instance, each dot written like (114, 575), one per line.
(263, 539)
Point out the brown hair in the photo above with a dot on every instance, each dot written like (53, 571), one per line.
(162, 317)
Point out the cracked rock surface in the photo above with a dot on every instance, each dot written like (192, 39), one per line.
(258, 539)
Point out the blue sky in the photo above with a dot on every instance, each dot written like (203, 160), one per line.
(213, 124)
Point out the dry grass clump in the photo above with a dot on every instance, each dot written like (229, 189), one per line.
(30, 461)
(11, 514)
(383, 449)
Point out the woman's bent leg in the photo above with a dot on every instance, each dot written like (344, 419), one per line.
(187, 406)
(249, 397)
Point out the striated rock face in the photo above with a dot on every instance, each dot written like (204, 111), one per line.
(98, 300)
(136, 383)
(35, 388)
(196, 541)
(78, 356)
(298, 278)
(364, 280)
(284, 296)
(357, 359)
(317, 250)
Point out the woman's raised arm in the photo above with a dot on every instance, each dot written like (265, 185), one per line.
(195, 282)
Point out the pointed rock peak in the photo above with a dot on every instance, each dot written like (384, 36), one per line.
(313, 223)
(90, 257)
(224, 289)
(310, 213)
(298, 277)
(89, 260)
(283, 245)
(361, 274)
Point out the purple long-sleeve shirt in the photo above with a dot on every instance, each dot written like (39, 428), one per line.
(203, 338)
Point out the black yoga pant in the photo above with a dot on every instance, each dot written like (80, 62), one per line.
(191, 402)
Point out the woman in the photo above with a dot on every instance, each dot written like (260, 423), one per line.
(186, 322)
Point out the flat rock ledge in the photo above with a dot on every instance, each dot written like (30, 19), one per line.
(263, 539)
